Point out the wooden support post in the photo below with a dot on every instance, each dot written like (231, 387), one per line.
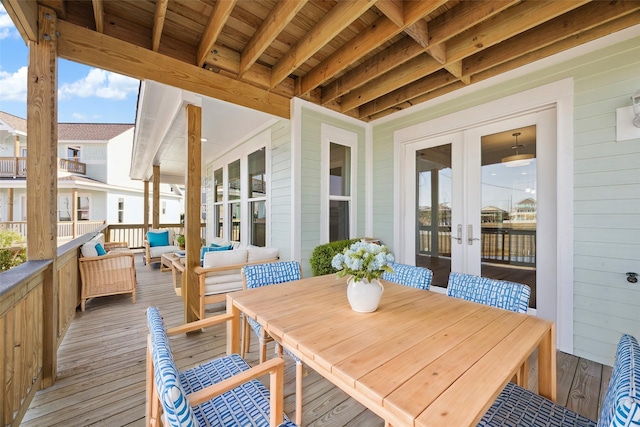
(10, 203)
(74, 212)
(42, 185)
(145, 214)
(192, 209)
(155, 224)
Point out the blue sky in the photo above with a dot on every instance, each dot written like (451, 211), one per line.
(85, 94)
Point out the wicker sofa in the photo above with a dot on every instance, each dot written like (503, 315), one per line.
(109, 274)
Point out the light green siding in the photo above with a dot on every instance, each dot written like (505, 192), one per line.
(281, 176)
(310, 176)
(606, 188)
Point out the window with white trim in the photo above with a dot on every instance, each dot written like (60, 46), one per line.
(120, 210)
(218, 207)
(257, 197)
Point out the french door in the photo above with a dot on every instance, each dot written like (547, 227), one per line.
(481, 203)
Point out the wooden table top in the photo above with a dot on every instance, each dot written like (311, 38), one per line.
(421, 358)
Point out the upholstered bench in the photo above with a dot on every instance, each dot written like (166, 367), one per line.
(228, 391)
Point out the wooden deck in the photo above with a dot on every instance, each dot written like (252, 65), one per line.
(101, 368)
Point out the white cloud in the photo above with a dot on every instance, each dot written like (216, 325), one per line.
(79, 117)
(100, 83)
(7, 29)
(13, 86)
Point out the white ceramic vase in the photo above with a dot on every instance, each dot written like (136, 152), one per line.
(364, 296)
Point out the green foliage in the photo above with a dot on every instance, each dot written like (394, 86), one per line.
(12, 250)
(322, 255)
(180, 240)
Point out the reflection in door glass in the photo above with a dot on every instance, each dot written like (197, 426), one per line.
(433, 212)
(509, 206)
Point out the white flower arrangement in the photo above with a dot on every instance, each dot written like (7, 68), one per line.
(363, 261)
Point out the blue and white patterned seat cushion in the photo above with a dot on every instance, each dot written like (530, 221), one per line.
(516, 406)
(621, 404)
(246, 405)
(409, 275)
(258, 275)
(497, 293)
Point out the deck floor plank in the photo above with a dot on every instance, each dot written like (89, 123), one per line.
(101, 367)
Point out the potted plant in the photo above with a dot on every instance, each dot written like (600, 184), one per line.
(180, 240)
(365, 263)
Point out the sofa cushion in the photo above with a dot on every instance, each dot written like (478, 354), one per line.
(89, 249)
(206, 249)
(100, 249)
(224, 277)
(262, 254)
(221, 288)
(219, 241)
(158, 238)
(224, 258)
(157, 251)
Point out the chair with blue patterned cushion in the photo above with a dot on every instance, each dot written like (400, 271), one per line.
(497, 293)
(516, 406)
(223, 391)
(409, 275)
(258, 275)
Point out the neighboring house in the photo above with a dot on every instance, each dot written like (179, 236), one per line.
(329, 176)
(94, 161)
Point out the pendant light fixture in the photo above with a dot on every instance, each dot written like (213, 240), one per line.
(517, 159)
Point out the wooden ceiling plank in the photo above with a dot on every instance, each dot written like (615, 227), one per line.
(610, 27)
(82, 45)
(459, 18)
(392, 9)
(158, 23)
(438, 52)
(338, 18)
(419, 87)
(24, 14)
(98, 14)
(379, 32)
(419, 32)
(455, 68)
(217, 19)
(577, 21)
(482, 36)
(282, 13)
(410, 71)
(58, 5)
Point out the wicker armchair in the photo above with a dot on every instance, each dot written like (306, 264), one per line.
(110, 274)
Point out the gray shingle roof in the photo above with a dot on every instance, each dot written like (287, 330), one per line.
(15, 122)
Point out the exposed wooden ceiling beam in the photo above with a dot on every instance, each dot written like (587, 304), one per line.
(379, 32)
(98, 50)
(338, 18)
(589, 16)
(455, 68)
(24, 14)
(460, 18)
(392, 9)
(221, 11)
(158, 23)
(98, 14)
(487, 33)
(282, 13)
(419, 32)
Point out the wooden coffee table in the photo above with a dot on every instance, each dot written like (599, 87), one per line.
(166, 261)
(177, 267)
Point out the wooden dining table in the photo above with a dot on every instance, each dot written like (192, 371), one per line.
(421, 359)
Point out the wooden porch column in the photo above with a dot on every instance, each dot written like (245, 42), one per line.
(145, 214)
(42, 188)
(192, 208)
(74, 212)
(156, 197)
(10, 202)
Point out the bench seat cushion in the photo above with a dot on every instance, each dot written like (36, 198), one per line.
(157, 251)
(222, 287)
(224, 258)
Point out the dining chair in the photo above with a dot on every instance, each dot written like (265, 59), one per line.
(222, 392)
(258, 275)
(497, 293)
(409, 275)
(517, 406)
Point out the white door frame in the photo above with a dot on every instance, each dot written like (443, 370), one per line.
(556, 304)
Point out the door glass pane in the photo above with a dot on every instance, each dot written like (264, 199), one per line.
(509, 215)
(433, 212)
(338, 220)
(218, 187)
(339, 171)
(257, 185)
(258, 223)
(218, 211)
(234, 214)
(234, 180)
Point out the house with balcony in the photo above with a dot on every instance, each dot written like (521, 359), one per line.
(307, 122)
(93, 178)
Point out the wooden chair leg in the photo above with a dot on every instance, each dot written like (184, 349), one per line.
(263, 348)
(299, 393)
(246, 338)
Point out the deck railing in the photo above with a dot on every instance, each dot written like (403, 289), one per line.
(34, 317)
(67, 230)
(16, 167)
(133, 234)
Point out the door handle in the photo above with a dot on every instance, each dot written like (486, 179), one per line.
(470, 235)
(459, 238)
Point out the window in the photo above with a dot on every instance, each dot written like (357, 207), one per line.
(73, 153)
(257, 197)
(234, 225)
(234, 180)
(164, 208)
(23, 152)
(84, 205)
(120, 210)
(338, 183)
(64, 207)
(218, 208)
